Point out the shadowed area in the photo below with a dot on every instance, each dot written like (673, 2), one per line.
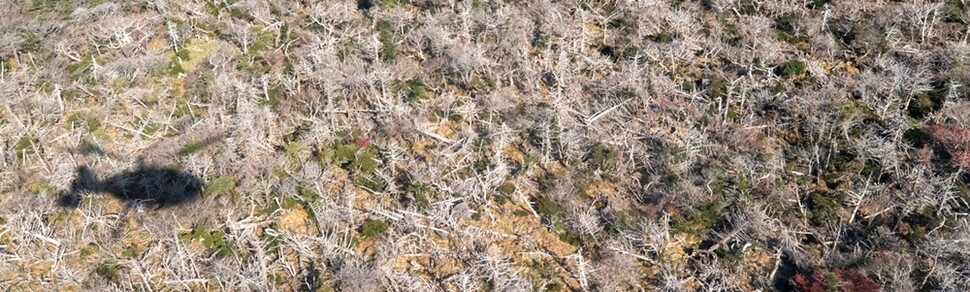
(149, 186)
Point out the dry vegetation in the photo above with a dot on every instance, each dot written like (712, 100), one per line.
(418, 145)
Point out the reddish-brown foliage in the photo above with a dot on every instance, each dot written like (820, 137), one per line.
(809, 283)
(956, 140)
(362, 142)
(852, 281)
(847, 281)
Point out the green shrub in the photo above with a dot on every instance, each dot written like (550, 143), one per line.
(271, 243)
(25, 146)
(369, 183)
(190, 147)
(924, 103)
(356, 159)
(717, 88)
(386, 36)
(307, 195)
(687, 86)
(627, 52)
(295, 151)
(916, 225)
(349, 240)
(817, 4)
(742, 185)
(393, 3)
(272, 98)
(214, 241)
(479, 84)
(109, 270)
(92, 124)
(792, 68)
(547, 182)
(344, 153)
(361, 162)
(527, 161)
(603, 157)
(731, 259)
(182, 54)
(237, 13)
(500, 199)
(506, 188)
(374, 228)
(703, 218)
(621, 220)
(79, 70)
(213, 7)
(786, 27)
(414, 90)
(75, 120)
(759, 66)
(419, 192)
(278, 202)
(175, 66)
(661, 37)
(182, 107)
(279, 280)
(366, 160)
(778, 88)
(571, 238)
(547, 208)
(87, 251)
(223, 185)
(40, 188)
(956, 11)
(832, 281)
(131, 251)
(917, 137)
(548, 277)
(264, 40)
(823, 209)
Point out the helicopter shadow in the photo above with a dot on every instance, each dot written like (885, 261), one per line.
(144, 186)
